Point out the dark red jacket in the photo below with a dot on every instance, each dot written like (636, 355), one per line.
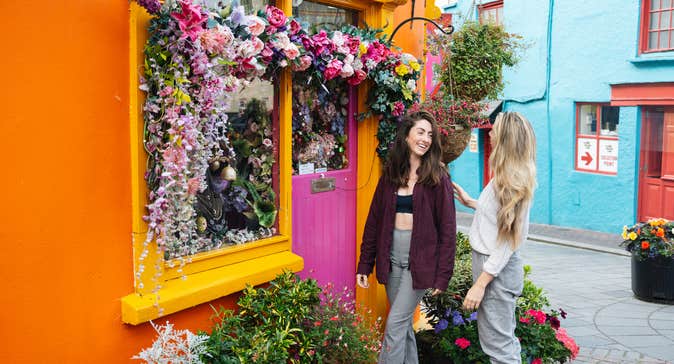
(433, 234)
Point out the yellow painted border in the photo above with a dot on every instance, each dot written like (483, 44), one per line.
(213, 274)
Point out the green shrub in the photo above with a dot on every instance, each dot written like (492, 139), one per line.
(293, 321)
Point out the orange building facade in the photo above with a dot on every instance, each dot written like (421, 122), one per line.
(68, 213)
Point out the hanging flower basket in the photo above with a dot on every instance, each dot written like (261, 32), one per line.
(453, 142)
(455, 119)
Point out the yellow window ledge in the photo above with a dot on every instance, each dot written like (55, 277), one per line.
(178, 294)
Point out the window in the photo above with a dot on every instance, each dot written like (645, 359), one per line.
(597, 138)
(491, 12)
(657, 26)
(217, 266)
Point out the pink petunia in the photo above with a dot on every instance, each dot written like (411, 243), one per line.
(537, 361)
(462, 342)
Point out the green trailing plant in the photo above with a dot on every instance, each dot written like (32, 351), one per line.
(477, 55)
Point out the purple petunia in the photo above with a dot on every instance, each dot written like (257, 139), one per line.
(457, 319)
(473, 317)
(441, 325)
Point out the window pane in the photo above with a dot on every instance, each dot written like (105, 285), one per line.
(666, 4)
(587, 119)
(664, 40)
(610, 117)
(654, 22)
(665, 16)
(653, 40)
(320, 112)
(655, 4)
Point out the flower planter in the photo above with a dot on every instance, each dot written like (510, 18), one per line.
(653, 279)
(454, 143)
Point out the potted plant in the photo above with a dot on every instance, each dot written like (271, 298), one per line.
(455, 120)
(652, 246)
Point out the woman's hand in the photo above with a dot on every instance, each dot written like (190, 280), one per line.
(463, 197)
(436, 292)
(473, 298)
(361, 280)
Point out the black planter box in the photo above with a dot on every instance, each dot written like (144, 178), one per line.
(653, 279)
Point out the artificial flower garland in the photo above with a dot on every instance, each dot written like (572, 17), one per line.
(196, 58)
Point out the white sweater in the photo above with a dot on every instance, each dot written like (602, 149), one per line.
(484, 231)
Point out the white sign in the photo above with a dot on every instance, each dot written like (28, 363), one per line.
(586, 154)
(608, 156)
(472, 144)
(306, 168)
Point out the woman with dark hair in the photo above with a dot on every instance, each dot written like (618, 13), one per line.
(410, 232)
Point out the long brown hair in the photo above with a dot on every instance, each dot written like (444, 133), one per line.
(397, 168)
(513, 161)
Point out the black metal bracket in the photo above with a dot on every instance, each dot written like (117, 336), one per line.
(449, 31)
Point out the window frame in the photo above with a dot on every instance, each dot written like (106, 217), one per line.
(490, 6)
(173, 285)
(597, 136)
(645, 28)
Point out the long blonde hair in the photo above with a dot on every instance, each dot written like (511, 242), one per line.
(513, 164)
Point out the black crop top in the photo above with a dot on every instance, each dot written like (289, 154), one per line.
(404, 204)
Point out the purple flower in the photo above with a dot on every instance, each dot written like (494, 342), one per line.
(152, 6)
(473, 317)
(457, 319)
(238, 16)
(441, 325)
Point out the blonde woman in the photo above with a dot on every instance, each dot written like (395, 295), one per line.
(500, 226)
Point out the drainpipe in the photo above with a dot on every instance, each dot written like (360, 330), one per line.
(547, 107)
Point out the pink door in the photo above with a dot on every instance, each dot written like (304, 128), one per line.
(324, 198)
(324, 162)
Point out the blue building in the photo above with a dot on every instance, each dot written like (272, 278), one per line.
(597, 83)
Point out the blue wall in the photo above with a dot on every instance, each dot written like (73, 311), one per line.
(590, 45)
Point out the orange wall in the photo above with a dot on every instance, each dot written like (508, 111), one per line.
(410, 40)
(65, 223)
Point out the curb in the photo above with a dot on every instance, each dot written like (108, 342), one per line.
(567, 243)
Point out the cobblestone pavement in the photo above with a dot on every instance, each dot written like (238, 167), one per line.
(604, 318)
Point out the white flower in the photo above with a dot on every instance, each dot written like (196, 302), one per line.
(411, 84)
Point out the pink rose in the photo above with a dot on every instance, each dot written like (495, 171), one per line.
(216, 39)
(332, 70)
(275, 16)
(247, 49)
(295, 27)
(255, 25)
(353, 43)
(321, 42)
(258, 45)
(357, 78)
(292, 52)
(398, 108)
(193, 185)
(347, 71)
(271, 30)
(304, 63)
(281, 41)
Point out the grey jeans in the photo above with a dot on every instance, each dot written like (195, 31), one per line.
(496, 313)
(399, 345)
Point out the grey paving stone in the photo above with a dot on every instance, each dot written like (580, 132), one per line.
(592, 340)
(626, 330)
(613, 321)
(641, 341)
(661, 324)
(586, 330)
(662, 316)
(667, 333)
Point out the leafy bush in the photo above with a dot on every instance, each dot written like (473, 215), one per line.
(294, 321)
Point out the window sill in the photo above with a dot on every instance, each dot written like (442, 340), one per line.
(653, 58)
(178, 294)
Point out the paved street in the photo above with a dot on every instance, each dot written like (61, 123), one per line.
(607, 322)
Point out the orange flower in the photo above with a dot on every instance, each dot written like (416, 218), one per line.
(660, 233)
(638, 231)
(645, 245)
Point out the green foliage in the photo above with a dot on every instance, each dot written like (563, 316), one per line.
(293, 321)
(532, 297)
(478, 54)
(452, 326)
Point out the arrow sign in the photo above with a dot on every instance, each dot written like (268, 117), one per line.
(587, 158)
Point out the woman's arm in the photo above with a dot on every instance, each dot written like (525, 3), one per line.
(445, 219)
(463, 197)
(368, 247)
